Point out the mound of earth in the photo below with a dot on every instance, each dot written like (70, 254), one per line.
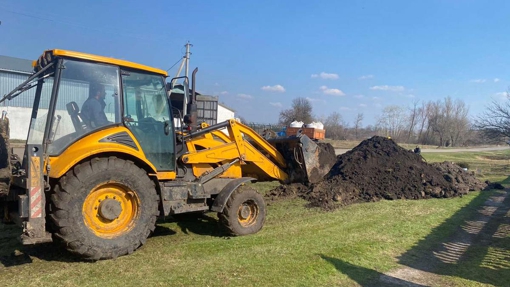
(380, 169)
(458, 176)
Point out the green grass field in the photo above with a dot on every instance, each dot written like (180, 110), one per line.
(493, 165)
(351, 246)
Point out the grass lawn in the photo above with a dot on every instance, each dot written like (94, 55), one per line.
(491, 165)
(351, 246)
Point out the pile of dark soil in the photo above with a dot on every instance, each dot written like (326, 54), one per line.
(459, 177)
(380, 169)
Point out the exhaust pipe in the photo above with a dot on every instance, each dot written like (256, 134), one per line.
(192, 105)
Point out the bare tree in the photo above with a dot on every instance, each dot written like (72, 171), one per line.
(393, 121)
(413, 118)
(357, 124)
(449, 121)
(437, 122)
(460, 125)
(334, 126)
(494, 122)
(301, 110)
(423, 116)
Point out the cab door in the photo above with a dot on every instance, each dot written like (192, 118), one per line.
(146, 113)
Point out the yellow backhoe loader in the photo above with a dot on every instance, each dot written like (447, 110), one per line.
(104, 158)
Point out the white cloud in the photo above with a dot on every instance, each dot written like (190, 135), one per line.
(388, 88)
(275, 88)
(326, 76)
(410, 96)
(502, 95)
(359, 96)
(333, 92)
(216, 84)
(366, 77)
(315, 100)
(345, 109)
(376, 98)
(362, 105)
(244, 96)
(478, 81)
(223, 93)
(277, 104)
(496, 80)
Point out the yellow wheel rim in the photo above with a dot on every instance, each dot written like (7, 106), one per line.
(110, 210)
(247, 213)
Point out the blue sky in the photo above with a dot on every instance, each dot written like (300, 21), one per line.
(345, 56)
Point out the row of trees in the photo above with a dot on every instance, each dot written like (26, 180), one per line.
(494, 122)
(443, 123)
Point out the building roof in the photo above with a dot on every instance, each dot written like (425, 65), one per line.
(15, 65)
(226, 107)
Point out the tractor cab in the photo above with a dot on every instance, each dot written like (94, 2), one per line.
(78, 95)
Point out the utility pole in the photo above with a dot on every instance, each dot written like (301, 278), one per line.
(184, 63)
(186, 71)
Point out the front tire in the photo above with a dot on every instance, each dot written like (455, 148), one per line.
(104, 208)
(244, 213)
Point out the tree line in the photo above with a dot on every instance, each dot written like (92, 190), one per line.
(443, 122)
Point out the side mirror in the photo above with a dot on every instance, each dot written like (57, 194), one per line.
(169, 86)
(187, 119)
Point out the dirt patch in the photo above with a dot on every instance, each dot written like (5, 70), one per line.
(380, 169)
(496, 157)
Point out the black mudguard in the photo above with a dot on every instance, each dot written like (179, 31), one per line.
(224, 195)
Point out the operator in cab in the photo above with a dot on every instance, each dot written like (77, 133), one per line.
(92, 110)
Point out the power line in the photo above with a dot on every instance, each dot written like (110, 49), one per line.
(102, 29)
(174, 64)
(82, 26)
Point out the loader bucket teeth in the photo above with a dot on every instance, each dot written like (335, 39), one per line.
(307, 161)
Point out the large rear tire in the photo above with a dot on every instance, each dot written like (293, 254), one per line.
(104, 208)
(244, 213)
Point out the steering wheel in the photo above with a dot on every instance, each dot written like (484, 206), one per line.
(148, 125)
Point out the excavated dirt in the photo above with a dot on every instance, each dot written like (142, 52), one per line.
(380, 169)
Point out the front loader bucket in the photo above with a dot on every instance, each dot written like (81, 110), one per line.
(307, 161)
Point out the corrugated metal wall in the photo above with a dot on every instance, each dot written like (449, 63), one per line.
(69, 91)
(8, 82)
(72, 91)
